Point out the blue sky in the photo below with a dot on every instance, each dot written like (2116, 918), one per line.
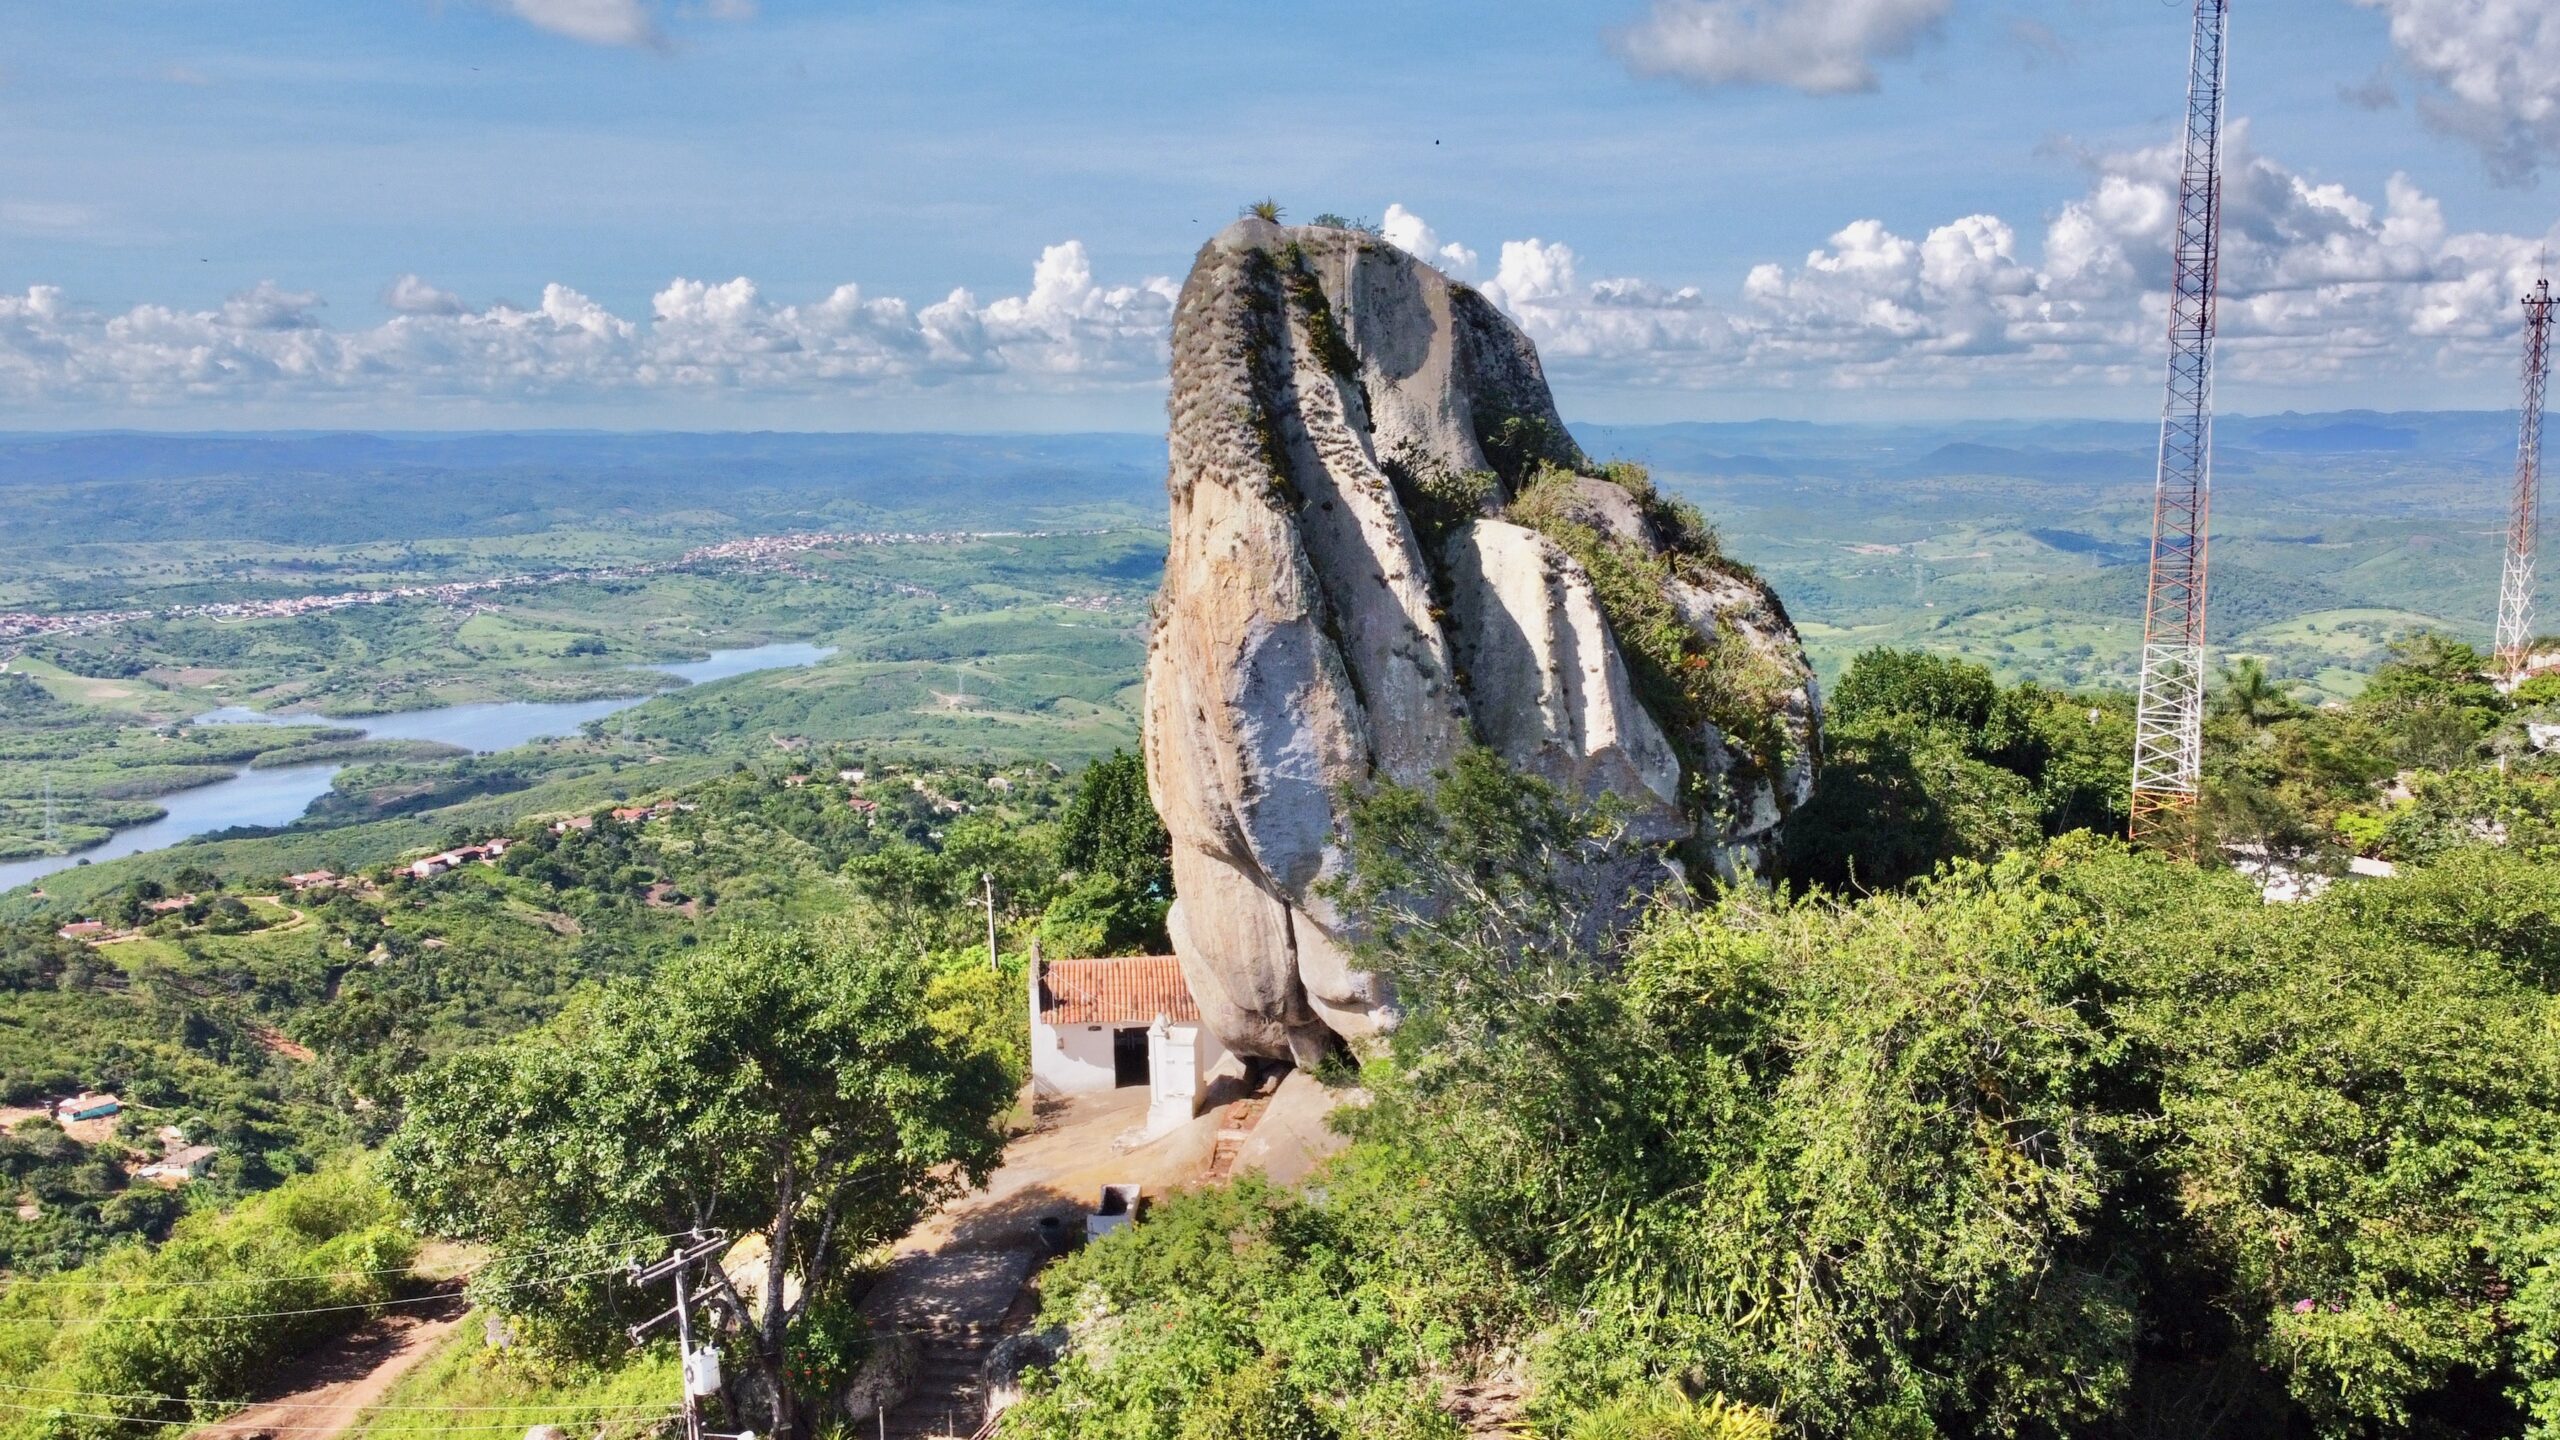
(207, 207)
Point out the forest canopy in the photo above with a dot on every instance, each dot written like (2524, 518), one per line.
(1980, 1124)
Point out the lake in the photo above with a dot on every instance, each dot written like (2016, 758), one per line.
(279, 796)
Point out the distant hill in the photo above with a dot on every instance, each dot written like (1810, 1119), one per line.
(2056, 449)
(2332, 439)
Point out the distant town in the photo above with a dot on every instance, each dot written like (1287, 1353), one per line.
(769, 551)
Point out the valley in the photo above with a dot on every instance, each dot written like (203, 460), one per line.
(2017, 545)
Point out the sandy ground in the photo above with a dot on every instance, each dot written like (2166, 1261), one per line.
(322, 1394)
(93, 1132)
(1081, 1145)
(1059, 1169)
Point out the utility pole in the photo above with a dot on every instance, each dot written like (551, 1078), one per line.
(2524, 520)
(2168, 729)
(700, 1370)
(989, 876)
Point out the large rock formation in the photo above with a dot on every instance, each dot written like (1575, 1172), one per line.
(1386, 548)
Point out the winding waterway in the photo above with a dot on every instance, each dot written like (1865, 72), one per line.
(279, 796)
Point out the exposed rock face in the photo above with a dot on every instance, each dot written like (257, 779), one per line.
(1386, 549)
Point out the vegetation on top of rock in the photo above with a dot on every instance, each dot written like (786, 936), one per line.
(1315, 312)
(1438, 500)
(1688, 676)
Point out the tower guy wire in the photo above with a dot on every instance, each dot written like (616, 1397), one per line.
(2524, 517)
(2168, 736)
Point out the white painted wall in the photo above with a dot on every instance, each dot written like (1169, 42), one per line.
(1179, 1058)
(1067, 1059)
(1071, 1059)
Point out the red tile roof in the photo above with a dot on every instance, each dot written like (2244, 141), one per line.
(1130, 990)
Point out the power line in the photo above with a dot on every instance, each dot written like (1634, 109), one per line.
(47, 1283)
(324, 1425)
(303, 1405)
(290, 1314)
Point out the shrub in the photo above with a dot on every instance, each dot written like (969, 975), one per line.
(1665, 1414)
(210, 1314)
(1258, 1402)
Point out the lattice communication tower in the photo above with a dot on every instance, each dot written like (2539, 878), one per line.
(2168, 736)
(2524, 521)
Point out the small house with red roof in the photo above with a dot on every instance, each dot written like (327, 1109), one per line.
(1117, 1023)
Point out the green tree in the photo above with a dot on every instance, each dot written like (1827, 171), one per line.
(790, 1084)
(2432, 701)
(166, 1333)
(1930, 761)
(1121, 862)
(2251, 695)
(921, 892)
(1022, 858)
(1917, 685)
(1816, 1151)
(1899, 797)
(1111, 828)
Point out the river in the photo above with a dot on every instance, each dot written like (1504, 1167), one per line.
(279, 796)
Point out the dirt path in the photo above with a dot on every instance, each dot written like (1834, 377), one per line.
(328, 1390)
(301, 917)
(275, 1042)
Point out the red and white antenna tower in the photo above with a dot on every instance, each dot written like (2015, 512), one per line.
(2515, 591)
(2168, 730)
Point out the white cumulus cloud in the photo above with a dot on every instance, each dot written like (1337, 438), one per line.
(2324, 289)
(268, 343)
(597, 22)
(1410, 233)
(2320, 285)
(2495, 66)
(1822, 47)
(410, 295)
(619, 22)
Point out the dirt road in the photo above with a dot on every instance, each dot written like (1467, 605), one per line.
(327, 1391)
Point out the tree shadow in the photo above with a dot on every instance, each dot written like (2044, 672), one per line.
(1013, 1223)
